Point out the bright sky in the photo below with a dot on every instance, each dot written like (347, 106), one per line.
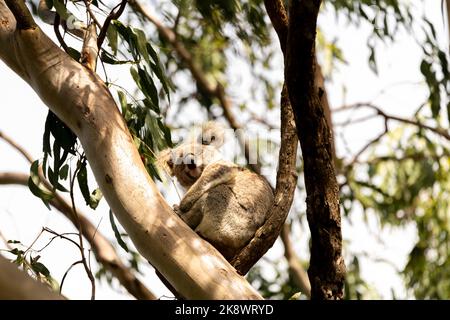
(23, 115)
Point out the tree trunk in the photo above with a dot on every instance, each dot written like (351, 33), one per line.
(327, 269)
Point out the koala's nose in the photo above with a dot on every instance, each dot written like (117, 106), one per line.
(189, 159)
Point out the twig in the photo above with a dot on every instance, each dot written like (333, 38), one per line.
(58, 34)
(16, 146)
(66, 273)
(87, 3)
(80, 237)
(370, 143)
(380, 112)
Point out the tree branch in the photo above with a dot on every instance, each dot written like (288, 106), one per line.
(82, 101)
(16, 146)
(279, 18)
(104, 252)
(23, 16)
(296, 271)
(327, 268)
(17, 285)
(284, 193)
(439, 131)
(89, 52)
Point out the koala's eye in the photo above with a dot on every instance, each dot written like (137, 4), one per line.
(208, 140)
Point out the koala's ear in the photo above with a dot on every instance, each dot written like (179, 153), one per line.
(213, 134)
(164, 161)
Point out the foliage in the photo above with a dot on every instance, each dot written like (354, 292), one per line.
(403, 182)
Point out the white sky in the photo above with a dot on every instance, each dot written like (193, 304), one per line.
(23, 115)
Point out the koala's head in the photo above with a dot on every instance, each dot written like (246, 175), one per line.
(187, 161)
(212, 133)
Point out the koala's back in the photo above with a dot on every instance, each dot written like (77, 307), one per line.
(233, 211)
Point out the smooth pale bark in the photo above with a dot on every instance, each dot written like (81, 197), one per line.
(80, 98)
(16, 285)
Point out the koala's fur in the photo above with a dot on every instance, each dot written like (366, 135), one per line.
(224, 203)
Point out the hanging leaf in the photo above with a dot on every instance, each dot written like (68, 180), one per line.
(117, 233)
(36, 186)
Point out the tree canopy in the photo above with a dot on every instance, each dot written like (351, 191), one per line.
(172, 64)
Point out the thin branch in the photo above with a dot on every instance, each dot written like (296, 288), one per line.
(80, 229)
(66, 273)
(87, 3)
(58, 33)
(368, 145)
(16, 146)
(75, 27)
(20, 11)
(284, 193)
(354, 121)
(380, 112)
(89, 52)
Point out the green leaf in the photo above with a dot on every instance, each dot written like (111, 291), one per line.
(49, 4)
(148, 86)
(82, 179)
(123, 102)
(36, 187)
(92, 200)
(74, 53)
(157, 68)
(106, 57)
(16, 251)
(141, 44)
(62, 133)
(40, 268)
(61, 9)
(117, 233)
(111, 34)
(63, 173)
(95, 198)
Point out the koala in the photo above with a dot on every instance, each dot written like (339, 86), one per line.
(224, 203)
